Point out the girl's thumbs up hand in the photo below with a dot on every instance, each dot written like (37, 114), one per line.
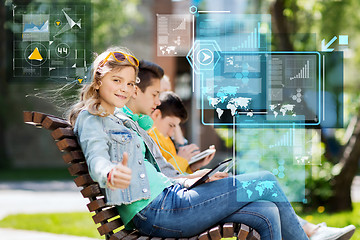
(125, 159)
(120, 176)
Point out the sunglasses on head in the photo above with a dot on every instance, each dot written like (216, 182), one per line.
(120, 57)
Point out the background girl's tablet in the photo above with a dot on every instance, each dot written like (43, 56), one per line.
(201, 155)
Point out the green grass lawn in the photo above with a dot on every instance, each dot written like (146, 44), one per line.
(77, 223)
(81, 223)
(341, 219)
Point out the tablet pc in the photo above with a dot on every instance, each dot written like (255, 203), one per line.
(201, 155)
(210, 173)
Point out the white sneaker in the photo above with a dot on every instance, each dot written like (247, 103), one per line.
(330, 233)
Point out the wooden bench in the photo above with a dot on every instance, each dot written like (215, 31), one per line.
(107, 216)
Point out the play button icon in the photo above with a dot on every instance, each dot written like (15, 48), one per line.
(205, 56)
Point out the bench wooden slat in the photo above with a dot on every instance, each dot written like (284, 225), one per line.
(243, 232)
(91, 191)
(61, 133)
(28, 117)
(228, 230)
(74, 156)
(193, 238)
(105, 215)
(215, 233)
(39, 117)
(67, 144)
(120, 235)
(110, 226)
(204, 236)
(144, 238)
(78, 168)
(83, 180)
(253, 235)
(53, 123)
(96, 204)
(134, 235)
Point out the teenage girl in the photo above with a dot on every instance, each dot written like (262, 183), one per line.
(156, 205)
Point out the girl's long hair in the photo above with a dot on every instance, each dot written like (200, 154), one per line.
(89, 98)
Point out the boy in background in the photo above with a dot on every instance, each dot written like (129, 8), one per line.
(144, 102)
(167, 117)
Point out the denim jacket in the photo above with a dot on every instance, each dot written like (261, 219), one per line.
(103, 141)
(166, 168)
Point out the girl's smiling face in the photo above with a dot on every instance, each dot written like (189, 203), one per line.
(116, 88)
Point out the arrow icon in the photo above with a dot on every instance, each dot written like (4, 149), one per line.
(325, 48)
(206, 56)
(69, 25)
(35, 55)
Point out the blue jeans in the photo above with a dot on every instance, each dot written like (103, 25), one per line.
(255, 199)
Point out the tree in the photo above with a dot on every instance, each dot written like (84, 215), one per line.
(111, 22)
(335, 17)
(3, 84)
(346, 170)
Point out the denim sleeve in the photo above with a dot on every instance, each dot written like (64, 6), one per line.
(94, 144)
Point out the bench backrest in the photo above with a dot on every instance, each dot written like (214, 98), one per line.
(108, 217)
(62, 133)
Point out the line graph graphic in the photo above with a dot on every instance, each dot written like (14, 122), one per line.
(181, 26)
(35, 27)
(31, 27)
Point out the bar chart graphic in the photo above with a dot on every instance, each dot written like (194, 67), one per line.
(303, 73)
(249, 40)
(300, 71)
(286, 140)
(253, 39)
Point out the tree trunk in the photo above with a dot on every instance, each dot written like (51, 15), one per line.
(281, 26)
(348, 167)
(4, 161)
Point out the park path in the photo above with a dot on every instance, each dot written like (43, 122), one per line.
(57, 196)
(12, 234)
(39, 197)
